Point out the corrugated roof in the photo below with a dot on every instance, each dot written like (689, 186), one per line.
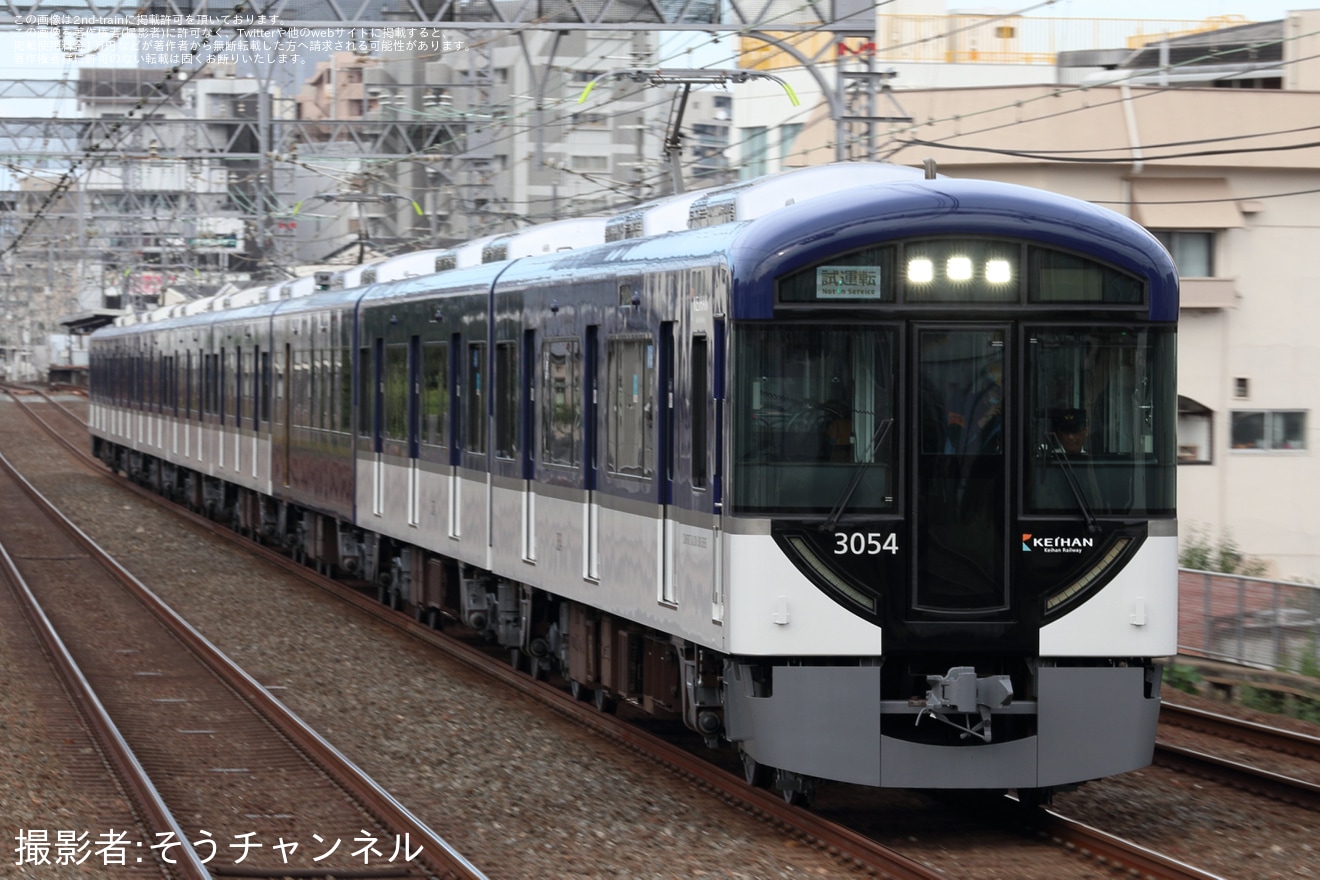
(1246, 44)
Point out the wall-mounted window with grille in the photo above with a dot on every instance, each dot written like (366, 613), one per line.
(755, 149)
(579, 162)
(1269, 430)
(1193, 251)
(1195, 432)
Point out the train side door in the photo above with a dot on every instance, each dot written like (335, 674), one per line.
(377, 392)
(455, 429)
(665, 462)
(284, 378)
(591, 432)
(414, 427)
(961, 498)
(717, 478)
(526, 428)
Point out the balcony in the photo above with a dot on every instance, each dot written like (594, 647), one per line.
(1208, 293)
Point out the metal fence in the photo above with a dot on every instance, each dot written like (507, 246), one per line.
(1252, 621)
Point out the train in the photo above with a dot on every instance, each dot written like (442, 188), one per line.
(865, 471)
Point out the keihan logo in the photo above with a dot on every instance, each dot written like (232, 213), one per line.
(1056, 545)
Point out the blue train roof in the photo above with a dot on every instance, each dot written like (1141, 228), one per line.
(775, 244)
(789, 233)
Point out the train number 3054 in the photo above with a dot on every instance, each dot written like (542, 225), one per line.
(865, 543)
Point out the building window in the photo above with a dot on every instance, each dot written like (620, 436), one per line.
(1192, 250)
(590, 163)
(754, 148)
(1195, 432)
(788, 135)
(1269, 429)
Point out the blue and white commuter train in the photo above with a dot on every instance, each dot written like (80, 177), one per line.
(868, 474)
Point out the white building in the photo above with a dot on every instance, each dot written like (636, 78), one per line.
(1222, 171)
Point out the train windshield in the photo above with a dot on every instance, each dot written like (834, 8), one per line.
(1101, 429)
(815, 413)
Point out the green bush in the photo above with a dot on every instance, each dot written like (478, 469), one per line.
(1292, 706)
(1183, 678)
(1203, 553)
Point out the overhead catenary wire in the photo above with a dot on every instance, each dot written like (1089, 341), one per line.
(512, 122)
(169, 84)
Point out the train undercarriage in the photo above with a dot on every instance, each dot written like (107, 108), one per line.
(603, 658)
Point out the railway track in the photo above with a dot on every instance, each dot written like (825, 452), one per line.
(1048, 836)
(206, 753)
(1271, 762)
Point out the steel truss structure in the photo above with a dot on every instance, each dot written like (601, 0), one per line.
(105, 192)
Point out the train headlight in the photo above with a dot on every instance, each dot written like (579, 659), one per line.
(998, 271)
(958, 269)
(921, 271)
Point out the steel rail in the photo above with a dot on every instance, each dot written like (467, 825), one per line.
(1276, 739)
(437, 853)
(112, 742)
(842, 842)
(1122, 854)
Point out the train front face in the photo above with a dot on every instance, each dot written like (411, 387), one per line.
(953, 543)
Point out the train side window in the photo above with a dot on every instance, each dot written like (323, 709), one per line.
(324, 377)
(327, 379)
(700, 357)
(299, 388)
(396, 391)
(506, 400)
(157, 382)
(265, 386)
(475, 410)
(366, 391)
(630, 446)
(234, 386)
(162, 383)
(344, 370)
(211, 397)
(435, 392)
(311, 360)
(223, 404)
(254, 388)
(241, 368)
(561, 403)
